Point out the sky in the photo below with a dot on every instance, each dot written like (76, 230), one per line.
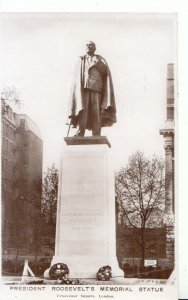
(40, 51)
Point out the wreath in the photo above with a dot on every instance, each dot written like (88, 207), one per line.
(59, 271)
(104, 273)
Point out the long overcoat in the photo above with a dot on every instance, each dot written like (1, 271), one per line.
(108, 116)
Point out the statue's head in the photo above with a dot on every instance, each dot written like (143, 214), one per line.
(90, 48)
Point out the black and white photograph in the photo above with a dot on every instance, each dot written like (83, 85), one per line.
(88, 184)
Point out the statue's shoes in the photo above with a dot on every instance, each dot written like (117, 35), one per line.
(80, 134)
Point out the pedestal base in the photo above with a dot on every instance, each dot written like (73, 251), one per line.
(84, 267)
(85, 229)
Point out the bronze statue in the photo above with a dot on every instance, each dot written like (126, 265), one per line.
(92, 99)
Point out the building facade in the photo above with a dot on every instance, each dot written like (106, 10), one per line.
(21, 182)
(8, 144)
(168, 134)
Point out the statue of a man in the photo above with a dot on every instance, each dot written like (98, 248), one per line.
(92, 100)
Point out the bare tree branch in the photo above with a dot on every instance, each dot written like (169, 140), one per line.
(140, 195)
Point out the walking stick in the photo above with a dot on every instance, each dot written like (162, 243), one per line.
(69, 126)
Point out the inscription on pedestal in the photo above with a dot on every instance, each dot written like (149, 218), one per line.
(85, 231)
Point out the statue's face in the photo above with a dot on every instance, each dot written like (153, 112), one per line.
(90, 48)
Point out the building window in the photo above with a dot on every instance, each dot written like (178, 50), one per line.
(170, 113)
(6, 163)
(10, 132)
(26, 139)
(3, 145)
(6, 145)
(5, 183)
(10, 113)
(22, 123)
(9, 185)
(11, 149)
(10, 166)
(3, 165)
(6, 129)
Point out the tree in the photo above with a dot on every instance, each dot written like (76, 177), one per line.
(49, 195)
(10, 95)
(140, 188)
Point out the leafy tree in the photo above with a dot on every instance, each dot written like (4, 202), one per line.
(140, 188)
(49, 195)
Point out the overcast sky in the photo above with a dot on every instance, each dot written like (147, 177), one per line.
(40, 51)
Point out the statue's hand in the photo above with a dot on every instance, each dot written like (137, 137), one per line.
(74, 121)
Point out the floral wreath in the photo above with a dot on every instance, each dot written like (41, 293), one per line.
(60, 272)
(104, 273)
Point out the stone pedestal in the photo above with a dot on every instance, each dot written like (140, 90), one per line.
(85, 229)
